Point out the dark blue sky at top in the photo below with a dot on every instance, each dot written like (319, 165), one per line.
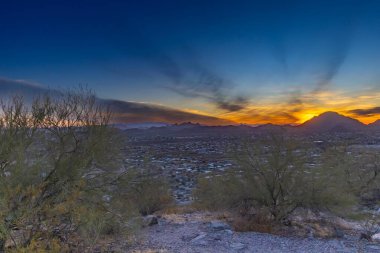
(156, 50)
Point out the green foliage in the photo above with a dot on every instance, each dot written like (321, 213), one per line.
(148, 192)
(220, 192)
(329, 188)
(362, 170)
(276, 174)
(58, 159)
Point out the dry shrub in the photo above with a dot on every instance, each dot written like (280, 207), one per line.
(148, 192)
(219, 192)
(261, 222)
(273, 175)
(270, 174)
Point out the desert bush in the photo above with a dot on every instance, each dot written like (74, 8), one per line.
(361, 169)
(148, 191)
(329, 188)
(276, 174)
(218, 192)
(277, 170)
(362, 173)
(58, 159)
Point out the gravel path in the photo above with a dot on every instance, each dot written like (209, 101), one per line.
(185, 233)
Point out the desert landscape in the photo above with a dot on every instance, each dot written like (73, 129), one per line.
(195, 126)
(186, 153)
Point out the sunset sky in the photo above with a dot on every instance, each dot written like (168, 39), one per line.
(248, 62)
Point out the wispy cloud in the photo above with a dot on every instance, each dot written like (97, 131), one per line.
(279, 108)
(9, 86)
(186, 76)
(211, 87)
(145, 112)
(123, 111)
(366, 112)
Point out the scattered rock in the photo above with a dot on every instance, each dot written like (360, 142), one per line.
(217, 237)
(344, 224)
(218, 225)
(200, 243)
(150, 220)
(229, 231)
(374, 247)
(237, 246)
(199, 237)
(187, 238)
(376, 237)
(17, 238)
(324, 231)
(303, 215)
(199, 240)
(339, 233)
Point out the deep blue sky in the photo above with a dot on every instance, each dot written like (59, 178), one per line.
(216, 57)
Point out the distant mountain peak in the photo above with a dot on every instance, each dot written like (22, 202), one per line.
(329, 113)
(332, 121)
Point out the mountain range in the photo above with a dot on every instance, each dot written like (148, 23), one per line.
(135, 115)
(328, 122)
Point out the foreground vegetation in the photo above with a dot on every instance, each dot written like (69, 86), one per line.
(62, 186)
(275, 175)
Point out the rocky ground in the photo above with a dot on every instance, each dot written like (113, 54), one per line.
(202, 232)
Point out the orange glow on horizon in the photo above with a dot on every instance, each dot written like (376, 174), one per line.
(306, 116)
(284, 109)
(301, 117)
(307, 106)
